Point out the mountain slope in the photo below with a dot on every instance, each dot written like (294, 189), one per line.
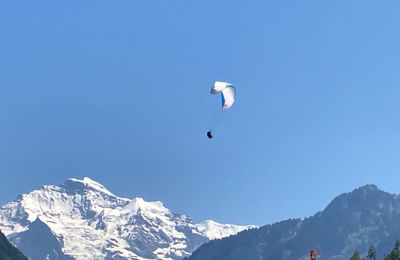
(7, 251)
(83, 220)
(351, 221)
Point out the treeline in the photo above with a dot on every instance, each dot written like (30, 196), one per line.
(393, 255)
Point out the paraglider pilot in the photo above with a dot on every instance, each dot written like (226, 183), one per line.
(209, 135)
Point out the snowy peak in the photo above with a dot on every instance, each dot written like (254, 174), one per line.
(86, 184)
(84, 220)
(214, 230)
(139, 204)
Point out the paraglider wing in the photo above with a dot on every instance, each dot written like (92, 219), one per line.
(228, 93)
(218, 87)
(228, 97)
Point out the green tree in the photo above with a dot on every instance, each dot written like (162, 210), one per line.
(395, 253)
(396, 247)
(355, 256)
(371, 253)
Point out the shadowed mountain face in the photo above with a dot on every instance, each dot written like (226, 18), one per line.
(351, 221)
(39, 242)
(8, 252)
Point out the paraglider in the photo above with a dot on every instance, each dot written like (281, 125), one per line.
(228, 95)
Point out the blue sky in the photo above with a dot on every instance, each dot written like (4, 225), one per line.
(119, 91)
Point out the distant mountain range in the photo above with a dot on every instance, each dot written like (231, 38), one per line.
(8, 251)
(352, 221)
(81, 219)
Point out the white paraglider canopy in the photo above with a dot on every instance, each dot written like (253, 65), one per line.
(228, 93)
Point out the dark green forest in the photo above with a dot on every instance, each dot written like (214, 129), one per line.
(372, 254)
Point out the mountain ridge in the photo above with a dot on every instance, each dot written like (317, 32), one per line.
(351, 221)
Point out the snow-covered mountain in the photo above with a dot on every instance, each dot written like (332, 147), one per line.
(81, 219)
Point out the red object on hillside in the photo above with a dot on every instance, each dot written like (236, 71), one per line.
(313, 254)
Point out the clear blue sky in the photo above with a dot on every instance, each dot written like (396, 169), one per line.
(119, 91)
